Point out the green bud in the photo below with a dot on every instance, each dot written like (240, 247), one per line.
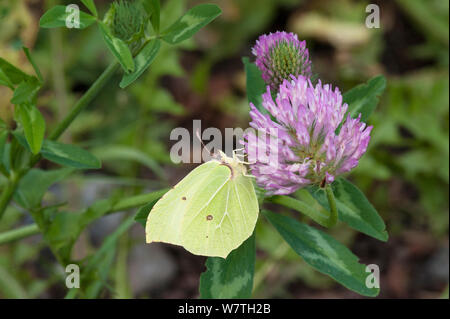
(127, 20)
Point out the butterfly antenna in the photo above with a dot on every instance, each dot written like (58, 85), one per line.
(197, 133)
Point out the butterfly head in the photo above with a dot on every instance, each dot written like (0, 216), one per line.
(236, 165)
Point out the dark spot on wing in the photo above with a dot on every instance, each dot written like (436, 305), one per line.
(209, 217)
(183, 198)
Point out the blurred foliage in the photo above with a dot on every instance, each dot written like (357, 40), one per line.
(405, 173)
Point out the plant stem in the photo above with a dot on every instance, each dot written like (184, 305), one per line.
(59, 81)
(320, 216)
(19, 233)
(310, 207)
(84, 100)
(332, 202)
(8, 192)
(269, 265)
(71, 294)
(10, 287)
(122, 288)
(82, 103)
(124, 204)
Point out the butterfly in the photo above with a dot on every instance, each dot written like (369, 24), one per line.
(210, 212)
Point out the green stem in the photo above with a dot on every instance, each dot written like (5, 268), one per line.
(138, 200)
(8, 192)
(319, 216)
(269, 265)
(19, 233)
(124, 204)
(9, 286)
(122, 289)
(59, 81)
(35, 67)
(84, 100)
(71, 294)
(308, 206)
(332, 202)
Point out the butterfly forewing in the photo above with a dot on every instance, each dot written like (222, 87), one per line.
(166, 217)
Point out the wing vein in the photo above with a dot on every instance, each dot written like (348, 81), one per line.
(207, 203)
(240, 206)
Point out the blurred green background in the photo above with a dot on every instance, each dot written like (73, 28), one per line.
(405, 172)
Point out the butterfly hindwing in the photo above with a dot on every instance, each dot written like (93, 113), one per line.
(225, 222)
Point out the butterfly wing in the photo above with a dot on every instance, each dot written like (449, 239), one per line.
(220, 224)
(164, 222)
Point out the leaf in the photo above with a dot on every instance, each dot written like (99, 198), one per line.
(5, 81)
(97, 210)
(98, 265)
(231, 277)
(255, 84)
(308, 206)
(118, 152)
(61, 229)
(91, 6)
(69, 155)
(33, 125)
(28, 195)
(35, 67)
(153, 9)
(324, 253)
(142, 61)
(162, 100)
(142, 213)
(364, 97)
(56, 17)
(21, 139)
(170, 12)
(10, 75)
(10, 287)
(354, 208)
(61, 232)
(26, 91)
(192, 21)
(118, 48)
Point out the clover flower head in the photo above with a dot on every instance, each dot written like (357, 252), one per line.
(303, 121)
(280, 55)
